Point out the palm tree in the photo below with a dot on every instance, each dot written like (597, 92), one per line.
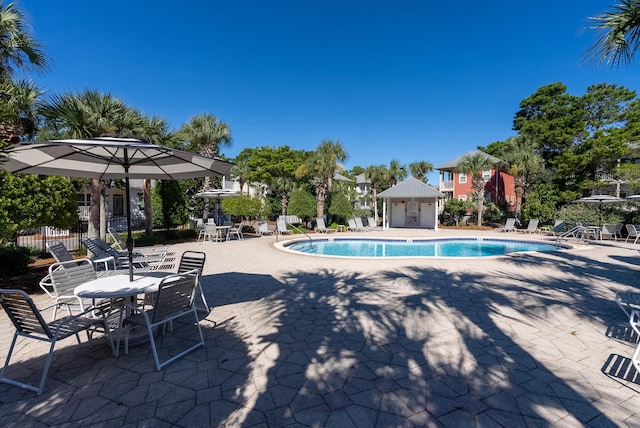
(205, 134)
(377, 175)
(85, 115)
(420, 170)
(620, 34)
(523, 161)
(323, 164)
(397, 172)
(240, 169)
(283, 186)
(18, 49)
(473, 165)
(18, 116)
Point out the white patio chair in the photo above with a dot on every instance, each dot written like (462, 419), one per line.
(281, 227)
(263, 228)
(509, 226)
(632, 233)
(29, 323)
(321, 227)
(65, 277)
(532, 227)
(234, 231)
(173, 300)
(634, 320)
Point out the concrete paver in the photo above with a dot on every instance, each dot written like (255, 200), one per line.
(293, 340)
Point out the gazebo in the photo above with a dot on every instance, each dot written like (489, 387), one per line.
(410, 203)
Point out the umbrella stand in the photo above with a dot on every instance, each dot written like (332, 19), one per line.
(127, 193)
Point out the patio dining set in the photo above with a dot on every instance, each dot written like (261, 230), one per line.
(100, 297)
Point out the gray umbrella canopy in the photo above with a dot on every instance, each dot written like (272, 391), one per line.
(111, 157)
(218, 194)
(599, 199)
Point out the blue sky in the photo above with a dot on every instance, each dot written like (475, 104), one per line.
(405, 80)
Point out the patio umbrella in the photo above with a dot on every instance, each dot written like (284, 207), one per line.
(599, 199)
(111, 156)
(218, 194)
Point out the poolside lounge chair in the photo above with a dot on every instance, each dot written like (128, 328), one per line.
(634, 320)
(632, 232)
(532, 227)
(360, 224)
(353, 226)
(120, 245)
(321, 227)
(372, 224)
(509, 226)
(264, 229)
(281, 227)
(628, 302)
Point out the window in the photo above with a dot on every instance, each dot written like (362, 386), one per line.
(462, 178)
(462, 198)
(486, 175)
(118, 205)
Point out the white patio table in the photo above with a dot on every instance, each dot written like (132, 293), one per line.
(117, 287)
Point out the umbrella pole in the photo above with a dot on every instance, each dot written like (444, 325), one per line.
(129, 237)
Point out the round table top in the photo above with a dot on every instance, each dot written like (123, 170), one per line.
(119, 286)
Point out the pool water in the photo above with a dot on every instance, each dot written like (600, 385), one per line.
(466, 247)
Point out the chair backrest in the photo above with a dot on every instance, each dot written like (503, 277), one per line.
(210, 228)
(263, 227)
(631, 230)
(66, 276)
(191, 260)
(59, 251)
(510, 223)
(608, 229)
(559, 226)
(281, 225)
(352, 223)
(100, 248)
(371, 222)
(118, 242)
(175, 295)
(211, 221)
(23, 313)
(320, 223)
(359, 223)
(533, 224)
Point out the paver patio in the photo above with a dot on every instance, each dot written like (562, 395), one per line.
(292, 340)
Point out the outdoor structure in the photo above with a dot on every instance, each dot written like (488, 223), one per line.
(499, 186)
(410, 203)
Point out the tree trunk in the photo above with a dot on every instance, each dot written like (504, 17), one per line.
(148, 211)
(321, 193)
(94, 208)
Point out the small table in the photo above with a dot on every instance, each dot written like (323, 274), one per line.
(341, 228)
(119, 286)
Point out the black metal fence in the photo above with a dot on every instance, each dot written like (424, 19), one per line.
(38, 238)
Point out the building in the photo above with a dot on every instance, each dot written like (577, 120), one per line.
(499, 186)
(410, 203)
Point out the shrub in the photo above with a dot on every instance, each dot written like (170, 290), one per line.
(14, 261)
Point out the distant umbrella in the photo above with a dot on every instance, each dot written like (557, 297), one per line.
(599, 199)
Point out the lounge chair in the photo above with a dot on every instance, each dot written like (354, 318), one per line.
(321, 227)
(509, 226)
(281, 227)
(634, 320)
(360, 224)
(264, 229)
(628, 302)
(113, 259)
(532, 227)
(632, 233)
(353, 226)
(120, 245)
(371, 223)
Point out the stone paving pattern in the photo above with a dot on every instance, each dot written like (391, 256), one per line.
(530, 340)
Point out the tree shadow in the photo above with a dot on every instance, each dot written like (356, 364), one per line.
(417, 345)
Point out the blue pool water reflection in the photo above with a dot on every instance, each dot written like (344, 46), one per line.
(466, 247)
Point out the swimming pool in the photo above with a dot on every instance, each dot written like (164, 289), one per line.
(447, 247)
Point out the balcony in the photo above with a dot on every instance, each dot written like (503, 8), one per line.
(446, 186)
